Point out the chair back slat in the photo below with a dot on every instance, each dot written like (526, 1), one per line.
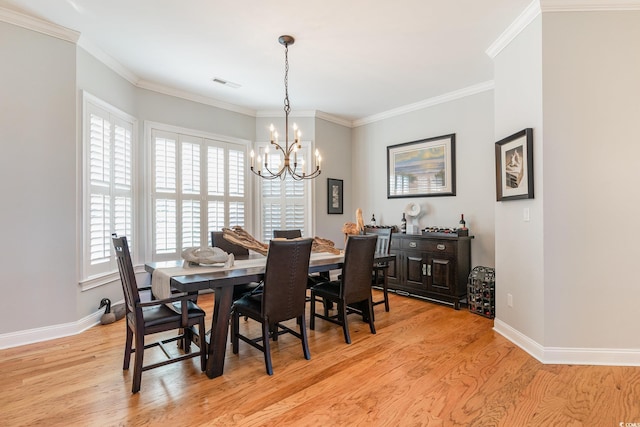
(127, 274)
(285, 279)
(358, 267)
(384, 238)
(287, 234)
(218, 241)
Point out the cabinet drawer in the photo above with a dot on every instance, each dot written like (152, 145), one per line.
(432, 246)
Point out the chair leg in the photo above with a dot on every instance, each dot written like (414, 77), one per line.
(303, 333)
(137, 363)
(274, 332)
(369, 305)
(385, 292)
(312, 312)
(127, 349)
(266, 348)
(235, 330)
(342, 307)
(188, 337)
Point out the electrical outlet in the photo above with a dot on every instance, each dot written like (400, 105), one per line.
(509, 300)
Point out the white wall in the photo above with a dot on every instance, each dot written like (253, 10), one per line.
(334, 143)
(97, 79)
(519, 244)
(591, 64)
(471, 119)
(94, 77)
(37, 171)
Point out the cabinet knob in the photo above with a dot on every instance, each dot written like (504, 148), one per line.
(440, 247)
(413, 244)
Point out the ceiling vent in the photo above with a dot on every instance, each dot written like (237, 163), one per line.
(225, 83)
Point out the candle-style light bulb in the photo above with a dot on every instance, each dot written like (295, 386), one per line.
(252, 154)
(271, 129)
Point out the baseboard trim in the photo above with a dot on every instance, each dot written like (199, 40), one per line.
(30, 336)
(568, 355)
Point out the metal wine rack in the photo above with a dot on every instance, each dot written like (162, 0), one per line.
(481, 291)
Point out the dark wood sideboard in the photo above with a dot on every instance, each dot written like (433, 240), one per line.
(431, 267)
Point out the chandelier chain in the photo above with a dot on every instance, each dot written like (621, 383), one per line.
(287, 106)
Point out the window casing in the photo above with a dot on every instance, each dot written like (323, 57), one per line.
(199, 184)
(109, 140)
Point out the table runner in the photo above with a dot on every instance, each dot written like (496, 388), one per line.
(161, 277)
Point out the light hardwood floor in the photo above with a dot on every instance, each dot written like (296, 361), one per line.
(427, 365)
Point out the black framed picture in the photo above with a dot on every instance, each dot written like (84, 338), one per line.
(514, 166)
(422, 168)
(334, 196)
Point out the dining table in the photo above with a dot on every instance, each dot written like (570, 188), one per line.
(185, 277)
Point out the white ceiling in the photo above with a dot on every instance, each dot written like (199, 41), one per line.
(352, 58)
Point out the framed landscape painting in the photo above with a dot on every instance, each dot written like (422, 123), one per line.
(422, 168)
(514, 166)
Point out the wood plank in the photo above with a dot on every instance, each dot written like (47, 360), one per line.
(427, 365)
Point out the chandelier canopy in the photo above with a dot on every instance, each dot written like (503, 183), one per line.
(288, 153)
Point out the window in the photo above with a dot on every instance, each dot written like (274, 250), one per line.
(285, 204)
(199, 185)
(108, 164)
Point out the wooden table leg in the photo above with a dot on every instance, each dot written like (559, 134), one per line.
(385, 288)
(219, 331)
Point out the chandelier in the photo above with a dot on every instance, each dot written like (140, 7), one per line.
(287, 151)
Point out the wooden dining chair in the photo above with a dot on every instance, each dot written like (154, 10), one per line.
(353, 288)
(380, 270)
(282, 298)
(146, 318)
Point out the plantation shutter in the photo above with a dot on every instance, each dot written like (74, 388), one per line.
(109, 208)
(285, 204)
(199, 187)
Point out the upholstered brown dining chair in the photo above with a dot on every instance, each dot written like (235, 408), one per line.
(314, 278)
(287, 234)
(282, 298)
(146, 318)
(381, 269)
(218, 241)
(353, 287)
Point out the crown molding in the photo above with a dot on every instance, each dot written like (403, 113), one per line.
(521, 22)
(166, 90)
(108, 60)
(39, 25)
(588, 5)
(307, 114)
(334, 119)
(447, 97)
(539, 6)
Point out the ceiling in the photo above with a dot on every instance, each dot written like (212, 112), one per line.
(352, 59)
